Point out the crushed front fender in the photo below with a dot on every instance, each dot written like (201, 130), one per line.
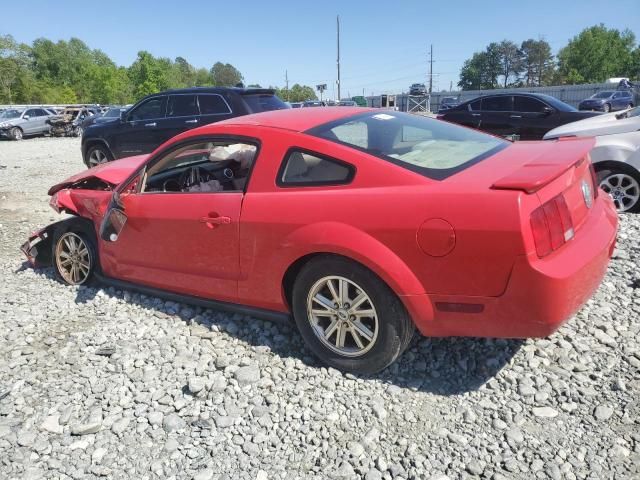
(37, 248)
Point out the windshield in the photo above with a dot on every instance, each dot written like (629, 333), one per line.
(555, 103)
(424, 145)
(602, 95)
(10, 114)
(113, 112)
(263, 102)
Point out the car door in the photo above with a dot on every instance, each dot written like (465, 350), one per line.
(497, 116)
(181, 241)
(138, 132)
(467, 114)
(182, 115)
(213, 108)
(43, 126)
(30, 124)
(532, 117)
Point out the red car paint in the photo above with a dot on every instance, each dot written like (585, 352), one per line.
(459, 253)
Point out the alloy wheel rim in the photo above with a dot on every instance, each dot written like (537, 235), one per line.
(18, 134)
(73, 259)
(623, 189)
(342, 316)
(97, 157)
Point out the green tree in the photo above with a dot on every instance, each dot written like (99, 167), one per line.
(537, 62)
(225, 75)
(14, 64)
(510, 59)
(597, 53)
(148, 74)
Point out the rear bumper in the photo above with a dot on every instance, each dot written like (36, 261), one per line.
(541, 294)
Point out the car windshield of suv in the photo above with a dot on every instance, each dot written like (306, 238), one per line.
(263, 102)
(112, 112)
(602, 95)
(424, 145)
(7, 114)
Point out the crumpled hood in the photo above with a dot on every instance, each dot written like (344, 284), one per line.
(605, 124)
(112, 173)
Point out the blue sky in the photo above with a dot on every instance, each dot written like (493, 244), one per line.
(383, 44)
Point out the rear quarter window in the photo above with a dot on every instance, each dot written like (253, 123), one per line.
(263, 102)
(304, 168)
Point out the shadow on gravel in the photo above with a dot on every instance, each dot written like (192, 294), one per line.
(442, 366)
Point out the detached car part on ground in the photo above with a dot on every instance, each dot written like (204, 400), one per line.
(17, 123)
(69, 122)
(616, 155)
(363, 226)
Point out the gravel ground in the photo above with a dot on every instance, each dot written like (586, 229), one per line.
(106, 383)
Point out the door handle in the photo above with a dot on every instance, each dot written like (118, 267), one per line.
(150, 124)
(475, 114)
(515, 116)
(191, 121)
(211, 222)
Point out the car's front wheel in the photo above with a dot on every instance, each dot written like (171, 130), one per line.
(97, 155)
(16, 133)
(348, 316)
(623, 186)
(606, 108)
(77, 131)
(74, 251)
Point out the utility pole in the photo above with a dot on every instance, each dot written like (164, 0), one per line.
(286, 80)
(431, 69)
(338, 25)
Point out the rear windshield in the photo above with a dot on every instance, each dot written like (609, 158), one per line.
(263, 102)
(424, 145)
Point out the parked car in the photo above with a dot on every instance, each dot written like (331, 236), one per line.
(418, 89)
(159, 117)
(313, 103)
(527, 116)
(17, 123)
(70, 122)
(296, 104)
(109, 115)
(311, 213)
(347, 103)
(360, 100)
(447, 103)
(608, 101)
(616, 155)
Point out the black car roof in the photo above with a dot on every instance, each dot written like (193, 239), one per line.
(238, 90)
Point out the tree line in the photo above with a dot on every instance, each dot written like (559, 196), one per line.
(594, 55)
(71, 72)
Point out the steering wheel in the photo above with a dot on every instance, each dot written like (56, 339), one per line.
(192, 176)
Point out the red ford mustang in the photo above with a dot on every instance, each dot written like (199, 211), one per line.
(363, 225)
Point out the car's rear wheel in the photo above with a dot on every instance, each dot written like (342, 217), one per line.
(16, 133)
(349, 317)
(97, 155)
(74, 251)
(630, 106)
(623, 186)
(606, 108)
(77, 131)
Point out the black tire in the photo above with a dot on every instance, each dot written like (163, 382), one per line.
(77, 131)
(621, 168)
(16, 133)
(99, 150)
(606, 108)
(83, 229)
(395, 327)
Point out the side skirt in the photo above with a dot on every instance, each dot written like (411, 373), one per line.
(263, 314)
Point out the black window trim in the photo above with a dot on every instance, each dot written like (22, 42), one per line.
(322, 183)
(140, 172)
(434, 174)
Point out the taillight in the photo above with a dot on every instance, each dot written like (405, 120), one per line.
(551, 225)
(594, 180)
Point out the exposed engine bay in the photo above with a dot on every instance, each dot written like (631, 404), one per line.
(213, 168)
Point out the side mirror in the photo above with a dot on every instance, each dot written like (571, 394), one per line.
(26, 117)
(547, 111)
(112, 225)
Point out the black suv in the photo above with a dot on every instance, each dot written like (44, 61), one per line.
(161, 116)
(527, 116)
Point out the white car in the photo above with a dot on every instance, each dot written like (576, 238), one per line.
(616, 155)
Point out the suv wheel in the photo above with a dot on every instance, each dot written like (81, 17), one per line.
(348, 317)
(97, 155)
(606, 108)
(16, 133)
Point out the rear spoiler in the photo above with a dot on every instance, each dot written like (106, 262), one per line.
(257, 91)
(531, 177)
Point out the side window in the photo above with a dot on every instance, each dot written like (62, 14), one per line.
(151, 109)
(31, 113)
(354, 133)
(182, 106)
(476, 105)
(202, 167)
(528, 104)
(213, 105)
(497, 104)
(306, 169)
